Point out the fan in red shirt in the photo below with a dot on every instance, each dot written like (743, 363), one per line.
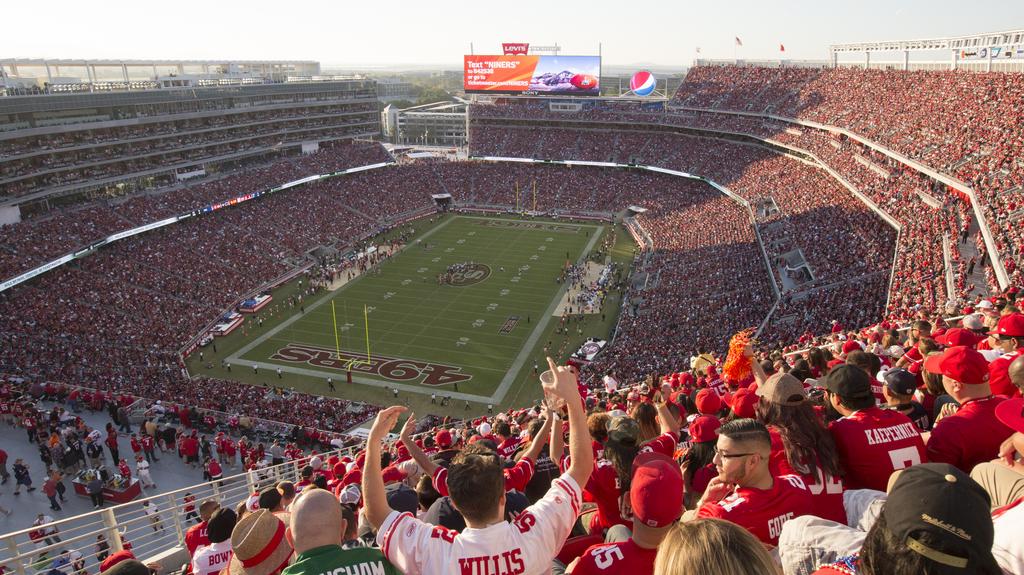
(800, 443)
(972, 434)
(196, 535)
(872, 442)
(745, 491)
(656, 498)
(608, 485)
(508, 444)
(1010, 332)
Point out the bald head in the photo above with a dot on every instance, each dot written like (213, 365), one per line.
(316, 521)
(1017, 372)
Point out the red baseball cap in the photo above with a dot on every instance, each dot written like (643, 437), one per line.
(392, 473)
(443, 439)
(1010, 325)
(851, 345)
(704, 428)
(961, 363)
(656, 491)
(1011, 413)
(959, 336)
(744, 402)
(708, 402)
(116, 558)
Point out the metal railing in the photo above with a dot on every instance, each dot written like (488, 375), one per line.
(149, 533)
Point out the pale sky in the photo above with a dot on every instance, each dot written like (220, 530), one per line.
(362, 32)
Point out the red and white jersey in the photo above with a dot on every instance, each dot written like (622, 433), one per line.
(524, 547)
(508, 447)
(210, 559)
(827, 490)
(622, 557)
(516, 477)
(873, 443)
(1008, 545)
(604, 488)
(763, 512)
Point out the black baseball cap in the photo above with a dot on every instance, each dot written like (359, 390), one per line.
(942, 514)
(900, 381)
(848, 381)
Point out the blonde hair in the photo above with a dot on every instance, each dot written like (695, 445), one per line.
(714, 546)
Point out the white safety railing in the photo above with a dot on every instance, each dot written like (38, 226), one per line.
(150, 533)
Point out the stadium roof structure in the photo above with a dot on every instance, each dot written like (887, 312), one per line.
(988, 39)
(119, 68)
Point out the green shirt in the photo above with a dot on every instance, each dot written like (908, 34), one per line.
(333, 560)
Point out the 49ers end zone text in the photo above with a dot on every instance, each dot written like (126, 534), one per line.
(391, 368)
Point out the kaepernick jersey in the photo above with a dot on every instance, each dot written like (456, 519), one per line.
(763, 512)
(875, 442)
(524, 547)
(827, 490)
(516, 477)
(622, 557)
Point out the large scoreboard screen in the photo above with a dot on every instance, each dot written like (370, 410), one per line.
(533, 75)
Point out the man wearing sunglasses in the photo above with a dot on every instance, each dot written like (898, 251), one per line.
(1010, 334)
(745, 491)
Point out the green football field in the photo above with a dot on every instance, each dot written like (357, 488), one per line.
(468, 339)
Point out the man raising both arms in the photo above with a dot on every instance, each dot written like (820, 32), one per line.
(477, 490)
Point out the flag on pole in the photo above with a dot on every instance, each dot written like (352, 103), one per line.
(738, 41)
(782, 47)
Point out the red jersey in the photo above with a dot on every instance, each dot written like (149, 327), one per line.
(873, 443)
(970, 436)
(135, 445)
(664, 444)
(196, 537)
(763, 512)
(999, 375)
(516, 477)
(604, 487)
(508, 447)
(827, 490)
(623, 557)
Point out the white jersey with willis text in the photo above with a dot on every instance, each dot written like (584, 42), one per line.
(525, 546)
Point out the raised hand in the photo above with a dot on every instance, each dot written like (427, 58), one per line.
(564, 386)
(408, 428)
(385, 421)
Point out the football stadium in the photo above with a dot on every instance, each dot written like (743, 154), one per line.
(526, 311)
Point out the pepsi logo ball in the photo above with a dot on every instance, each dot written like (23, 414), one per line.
(584, 82)
(642, 83)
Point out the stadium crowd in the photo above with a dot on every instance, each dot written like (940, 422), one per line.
(869, 451)
(849, 439)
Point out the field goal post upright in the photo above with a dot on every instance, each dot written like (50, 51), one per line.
(366, 329)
